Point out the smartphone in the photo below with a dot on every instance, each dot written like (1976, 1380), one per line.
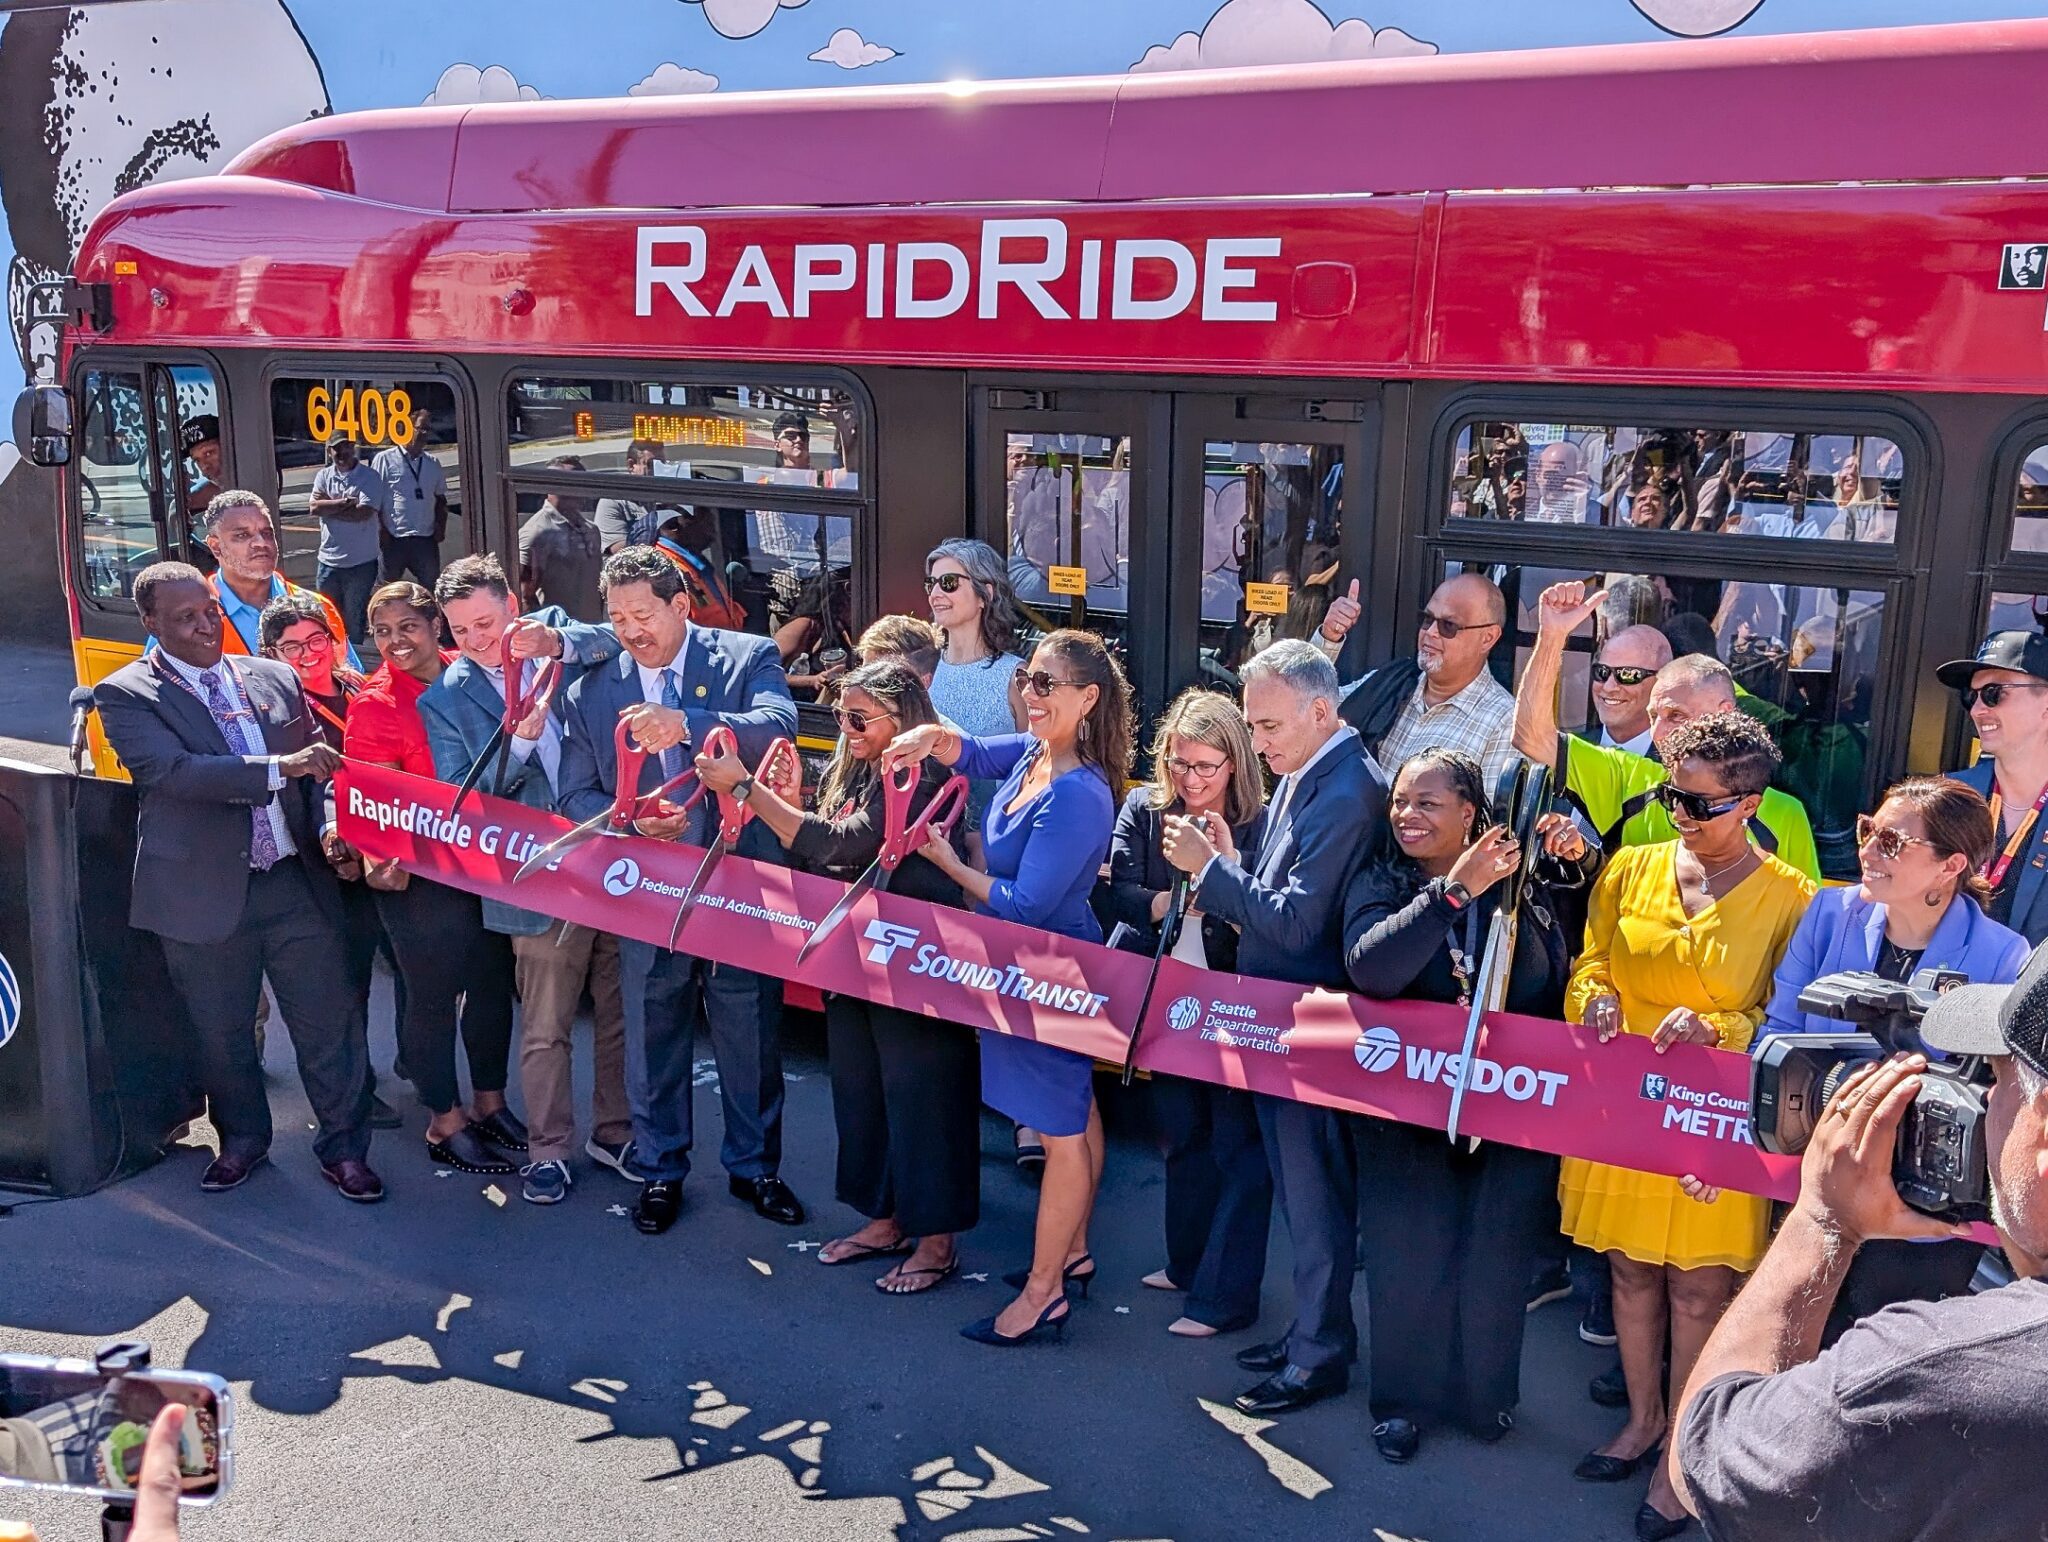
(66, 1424)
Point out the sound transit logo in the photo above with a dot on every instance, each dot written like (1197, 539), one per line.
(622, 877)
(887, 937)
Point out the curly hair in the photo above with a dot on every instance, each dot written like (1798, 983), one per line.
(1734, 743)
(286, 612)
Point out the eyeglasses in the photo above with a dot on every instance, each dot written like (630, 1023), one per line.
(1203, 770)
(1697, 806)
(292, 652)
(1891, 842)
(854, 721)
(1042, 683)
(946, 582)
(1446, 628)
(1627, 674)
(1992, 695)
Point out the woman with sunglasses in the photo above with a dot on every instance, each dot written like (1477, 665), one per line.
(1451, 1232)
(905, 1088)
(1219, 1191)
(1919, 906)
(445, 956)
(1046, 835)
(1681, 940)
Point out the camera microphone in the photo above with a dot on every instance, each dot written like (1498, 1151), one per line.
(81, 709)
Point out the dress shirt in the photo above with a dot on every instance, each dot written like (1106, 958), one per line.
(549, 744)
(1479, 721)
(1283, 790)
(244, 735)
(650, 679)
(1638, 744)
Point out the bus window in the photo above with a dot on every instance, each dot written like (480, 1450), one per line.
(1819, 485)
(120, 531)
(1272, 518)
(2030, 505)
(782, 436)
(1067, 515)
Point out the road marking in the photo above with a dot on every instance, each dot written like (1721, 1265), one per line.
(1294, 1475)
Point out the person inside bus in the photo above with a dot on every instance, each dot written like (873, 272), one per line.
(689, 538)
(675, 682)
(200, 438)
(1564, 493)
(816, 642)
(1918, 906)
(626, 521)
(1613, 788)
(560, 553)
(1219, 1190)
(911, 641)
(791, 548)
(553, 963)
(349, 500)
(1045, 839)
(228, 874)
(1450, 1232)
(1624, 673)
(456, 972)
(2005, 691)
(1681, 942)
(243, 539)
(1444, 696)
(415, 506)
(1327, 812)
(905, 1087)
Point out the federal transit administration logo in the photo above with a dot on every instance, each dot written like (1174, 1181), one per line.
(887, 937)
(622, 877)
(1184, 1014)
(1377, 1049)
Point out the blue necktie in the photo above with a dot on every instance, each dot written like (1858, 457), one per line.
(672, 757)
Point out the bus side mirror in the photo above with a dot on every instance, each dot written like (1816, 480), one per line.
(42, 425)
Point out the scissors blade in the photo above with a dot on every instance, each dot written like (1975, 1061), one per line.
(1167, 930)
(839, 912)
(561, 845)
(472, 777)
(704, 871)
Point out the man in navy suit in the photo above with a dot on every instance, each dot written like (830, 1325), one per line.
(673, 685)
(230, 873)
(1327, 815)
(554, 963)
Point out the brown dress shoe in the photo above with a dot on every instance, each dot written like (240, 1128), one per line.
(355, 1180)
(227, 1171)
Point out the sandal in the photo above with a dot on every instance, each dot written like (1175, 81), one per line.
(933, 1277)
(861, 1252)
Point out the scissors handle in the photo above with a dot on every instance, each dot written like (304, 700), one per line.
(519, 704)
(938, 818)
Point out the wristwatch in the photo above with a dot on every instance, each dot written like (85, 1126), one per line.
(1456, 895)
(743, 789)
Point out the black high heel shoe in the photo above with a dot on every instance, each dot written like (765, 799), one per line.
(1653, 1525)
(984, 1332)
(1074, 1281)
(1596, 1468)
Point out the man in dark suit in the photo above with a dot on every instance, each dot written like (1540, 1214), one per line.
(2005, 691)
(229, 872)
(673, 685)
(1327, 815)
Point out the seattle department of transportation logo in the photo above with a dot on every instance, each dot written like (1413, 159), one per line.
(887, 937)
(622, 877)
(1184, 1014)
(1377, 1049)
(10, 1001)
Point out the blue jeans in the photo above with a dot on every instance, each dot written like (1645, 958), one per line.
(350, 588)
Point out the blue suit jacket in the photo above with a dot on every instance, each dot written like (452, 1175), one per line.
(462, 710)
(1842, 930)
(2030, 892)
(734, 678)
(1289, 908)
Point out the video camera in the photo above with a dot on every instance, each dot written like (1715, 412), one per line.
(1941, 1165)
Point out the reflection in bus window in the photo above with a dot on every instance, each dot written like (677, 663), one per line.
(119, 532)
(1272, 517)
(1793, 485)
(2017, 611)
(1067, 509)
(2030, 504)
(1812, 687)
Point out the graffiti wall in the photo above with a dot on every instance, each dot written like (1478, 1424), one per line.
(99, 98)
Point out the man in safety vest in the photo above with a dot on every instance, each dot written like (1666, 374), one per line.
(243, 540)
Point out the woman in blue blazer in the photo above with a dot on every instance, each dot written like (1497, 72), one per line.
(1919, 906)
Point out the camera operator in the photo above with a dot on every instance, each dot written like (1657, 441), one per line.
(1928, 1419)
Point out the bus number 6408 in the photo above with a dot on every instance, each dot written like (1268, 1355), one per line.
(369, 416)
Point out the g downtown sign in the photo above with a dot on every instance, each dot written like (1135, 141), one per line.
(1543, 1085)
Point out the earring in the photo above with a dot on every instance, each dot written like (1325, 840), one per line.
(1933, 898)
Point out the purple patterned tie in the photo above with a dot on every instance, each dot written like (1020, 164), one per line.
(263, 852)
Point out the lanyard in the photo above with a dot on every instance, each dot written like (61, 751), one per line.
(315, 703)
(227, 663)
(1465, 961)
(1995, 870)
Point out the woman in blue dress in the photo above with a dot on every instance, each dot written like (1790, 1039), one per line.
(1045, 838)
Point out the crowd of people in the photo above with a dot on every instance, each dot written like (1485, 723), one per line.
(1330, 833)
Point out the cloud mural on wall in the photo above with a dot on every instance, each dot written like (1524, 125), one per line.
(1276, 32)
(743, 18)
(464, 85)
(1698, 18)
(668, 79)
(850, 51)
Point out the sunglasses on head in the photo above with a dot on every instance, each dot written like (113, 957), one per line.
(1991, 695)
(1891, 843)
(855, 721)
(1446, 628)
(1043, 682)
(946, 582)
(1697, 806)
(1627, 674)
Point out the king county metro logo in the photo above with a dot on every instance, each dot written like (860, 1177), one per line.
(887, 937)
(1184, 1014)
(1377, 1049)
(622, 877)
(10, 1001)
(1655, 1086)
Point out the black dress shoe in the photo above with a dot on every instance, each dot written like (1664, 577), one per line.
(383, 1116)
(659, 1204)
(1264, 1357)
(1397, 1440)
(227, 1171)
(1488, 1429)
(1292, 1387)
(1595, 1468)
(770, 1197)
(1654, 1526)
(1609, 1389)
(355, 1180)
(466, 1152)
(502, 1130)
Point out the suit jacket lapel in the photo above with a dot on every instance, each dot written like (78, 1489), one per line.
(477, 686)
(1873, 935)
(182, 705)
(2028, 890)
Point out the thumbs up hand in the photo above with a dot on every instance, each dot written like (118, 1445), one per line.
(1343, 614)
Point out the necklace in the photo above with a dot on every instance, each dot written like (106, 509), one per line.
(1707, 878)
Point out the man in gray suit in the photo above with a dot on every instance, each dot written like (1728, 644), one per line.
(553, 962)
(229, 872)
(675, 682)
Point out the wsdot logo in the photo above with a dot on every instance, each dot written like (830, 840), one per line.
(1377, 1049)
(1184, 1014)
(10, 1000)
(622, 877)
(887, 937)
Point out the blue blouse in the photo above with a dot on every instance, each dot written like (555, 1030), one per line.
(1044, 858)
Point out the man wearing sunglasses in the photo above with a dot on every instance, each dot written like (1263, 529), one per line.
(1615, 790)
(1624, 674)
(2005, 691)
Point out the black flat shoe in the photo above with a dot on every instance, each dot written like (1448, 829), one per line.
(1609, 1389)
(1488, 1430)
(1596, 1468)
(466, 1152)
(1265, 1358)
(1292, 1387)
(1652, 1525)
(502, 1130)
(659, 1204)
(1076, 1283)
(770, 1197)
(984, 1332)
(1397, 1440)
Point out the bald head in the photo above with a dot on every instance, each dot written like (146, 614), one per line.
(1623, 676)
(1690, 686)
(1637, 647)
(1472, 606)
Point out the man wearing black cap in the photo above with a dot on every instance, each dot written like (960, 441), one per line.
(200, 437)
(1930, 1418)
(2005, 690)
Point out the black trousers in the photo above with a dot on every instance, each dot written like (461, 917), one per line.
(1887, 1272)
(285, 934)
(1219, 1197)
(1314, 1157)
(906, 1097)
(450, 965)
(1450, 1235)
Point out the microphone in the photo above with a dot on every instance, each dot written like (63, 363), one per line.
(81, 709)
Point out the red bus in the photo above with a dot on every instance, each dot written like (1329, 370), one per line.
(1752, 328)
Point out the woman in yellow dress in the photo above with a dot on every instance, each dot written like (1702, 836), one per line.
(1680, 945)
